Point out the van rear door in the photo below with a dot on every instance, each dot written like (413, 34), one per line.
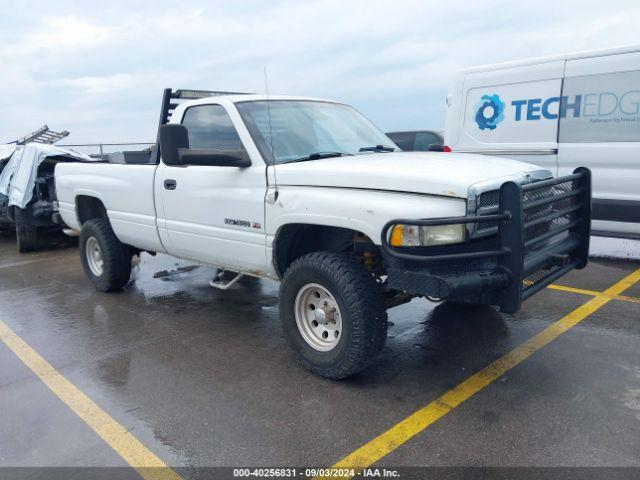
(604, 135)
(512, 111)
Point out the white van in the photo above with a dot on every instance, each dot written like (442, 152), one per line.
(560, 112)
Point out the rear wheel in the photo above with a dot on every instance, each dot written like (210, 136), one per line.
(332, 313)
(26, 233)
(105, 259)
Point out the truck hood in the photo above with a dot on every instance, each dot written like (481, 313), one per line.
(431, 173)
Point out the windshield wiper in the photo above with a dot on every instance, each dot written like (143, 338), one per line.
(318, 156)
(378, 148)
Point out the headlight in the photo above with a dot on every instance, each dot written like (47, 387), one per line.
(415, 236)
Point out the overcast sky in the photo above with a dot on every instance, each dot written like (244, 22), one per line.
(97, 69)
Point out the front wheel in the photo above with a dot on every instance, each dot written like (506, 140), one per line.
(105, 259)
(332, 313)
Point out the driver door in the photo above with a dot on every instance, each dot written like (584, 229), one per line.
(213, 214)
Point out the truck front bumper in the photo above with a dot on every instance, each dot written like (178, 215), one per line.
(538, 233)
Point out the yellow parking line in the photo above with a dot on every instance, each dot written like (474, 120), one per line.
(581, 291)
(388, 441)
(146, 463)
(627, 299)
(593, 293)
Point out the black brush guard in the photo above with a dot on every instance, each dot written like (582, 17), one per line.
(541, 233)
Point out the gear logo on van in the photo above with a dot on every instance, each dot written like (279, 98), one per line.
(489, 112)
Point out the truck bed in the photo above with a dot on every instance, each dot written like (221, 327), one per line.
(129, 157)
(130, 191)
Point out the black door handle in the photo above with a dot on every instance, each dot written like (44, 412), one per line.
(170, 184)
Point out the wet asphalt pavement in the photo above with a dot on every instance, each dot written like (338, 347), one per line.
(203, 377)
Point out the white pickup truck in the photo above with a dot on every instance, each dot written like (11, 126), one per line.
(310, 193)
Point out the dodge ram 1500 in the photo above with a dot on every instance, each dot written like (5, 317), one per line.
(311, 193)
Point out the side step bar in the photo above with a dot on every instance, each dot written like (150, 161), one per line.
(221, 285)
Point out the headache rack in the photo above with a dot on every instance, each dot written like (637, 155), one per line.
(172, 98)
(542, 233)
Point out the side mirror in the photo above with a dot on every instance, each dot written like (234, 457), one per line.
(436, 147)
(172, 137)
(214, 158)
(174, 148)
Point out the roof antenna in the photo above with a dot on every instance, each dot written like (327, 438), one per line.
(273, 157)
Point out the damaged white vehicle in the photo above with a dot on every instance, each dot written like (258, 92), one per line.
(28, 200)
(309, 192)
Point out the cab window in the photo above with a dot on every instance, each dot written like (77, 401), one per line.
(210, 127)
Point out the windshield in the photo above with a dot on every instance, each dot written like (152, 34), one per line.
(310, 130)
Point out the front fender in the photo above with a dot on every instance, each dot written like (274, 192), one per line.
(366, 211)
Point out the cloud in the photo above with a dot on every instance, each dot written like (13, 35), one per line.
(101, 85)
(67, 32)
(98, 71)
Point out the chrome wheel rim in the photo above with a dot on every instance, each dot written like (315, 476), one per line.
(93, 254)
(318, 317)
